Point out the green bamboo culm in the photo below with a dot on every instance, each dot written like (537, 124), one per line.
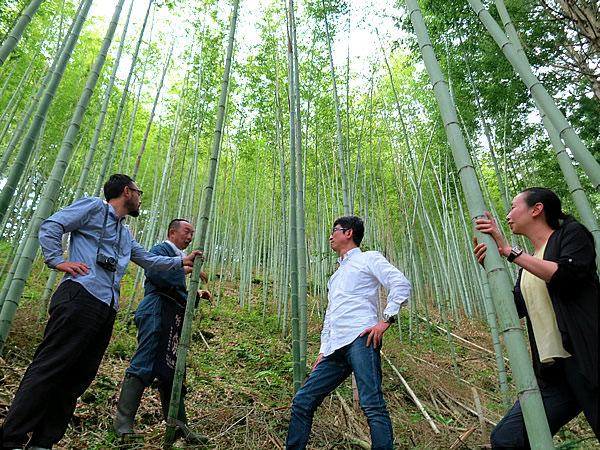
(116, 125)
(345, 202)
(200, 240)
(33, 106)
(588, 163)
(61, 60)
(52, 188)
(536, 423)
(300, 209)
(298, 371)
(577, 193)
(103, 110)
(15, 34)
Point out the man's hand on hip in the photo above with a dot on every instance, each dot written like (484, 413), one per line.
(376, 333)
(317, 361)
(73, 268)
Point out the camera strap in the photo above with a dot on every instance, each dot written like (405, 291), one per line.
(102, 233)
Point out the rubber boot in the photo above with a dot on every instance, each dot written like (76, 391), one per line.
(129, 401)
(182, 429)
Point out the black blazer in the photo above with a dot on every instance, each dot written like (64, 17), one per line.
(575, 293)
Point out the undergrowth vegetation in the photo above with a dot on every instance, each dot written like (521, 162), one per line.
(239, 383)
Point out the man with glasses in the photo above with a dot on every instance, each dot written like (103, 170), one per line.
(82, 310)
(155, 318)
(352, 335)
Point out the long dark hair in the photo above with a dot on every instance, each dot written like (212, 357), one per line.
(555, 217)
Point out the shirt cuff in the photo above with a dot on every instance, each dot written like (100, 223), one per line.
(53, 262)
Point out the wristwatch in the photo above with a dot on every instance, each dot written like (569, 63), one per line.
(514, 252)
(389, 318)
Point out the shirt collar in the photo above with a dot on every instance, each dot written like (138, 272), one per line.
(112, 212)
(349, 254)
(178, 251)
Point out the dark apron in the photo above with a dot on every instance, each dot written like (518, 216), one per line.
(172, 313)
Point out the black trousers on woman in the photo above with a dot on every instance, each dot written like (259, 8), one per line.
(64, 365)
(565, 394)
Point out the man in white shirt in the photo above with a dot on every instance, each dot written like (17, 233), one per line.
(352, 335)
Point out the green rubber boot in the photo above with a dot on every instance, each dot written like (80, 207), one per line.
(129, 401)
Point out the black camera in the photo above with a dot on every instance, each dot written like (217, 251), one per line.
(106, 262)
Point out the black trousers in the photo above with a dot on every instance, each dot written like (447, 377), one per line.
(64, 365)
(564, 398)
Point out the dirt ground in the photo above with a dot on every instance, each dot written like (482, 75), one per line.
(239, 380)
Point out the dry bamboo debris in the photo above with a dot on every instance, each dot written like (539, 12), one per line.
(460, 441)
(461, 339)
(358, 442)
(351, 421)
(447, 397)
(484, 433)
(416, 358)
(413, 396)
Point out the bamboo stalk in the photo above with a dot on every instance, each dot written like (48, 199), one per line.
(413, 396)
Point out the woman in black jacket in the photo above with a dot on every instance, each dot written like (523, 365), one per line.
(558, 291)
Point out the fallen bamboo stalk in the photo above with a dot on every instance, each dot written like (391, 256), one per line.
(456, 415)
(460, 441)
(358, 442)
(484, 433)
(276, 443)
(350, 416)
(412, 395)
(435, 366)
(416, 358)
(459, 403)
(455, 336)
(204, 340)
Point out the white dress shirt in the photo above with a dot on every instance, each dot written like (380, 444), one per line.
(352, 306)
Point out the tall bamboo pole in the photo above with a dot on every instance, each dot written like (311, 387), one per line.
(541, 95)
(298, 371)
(528, 391)
(15, 34)
(341, 151)
(200, 239)
(579, 198)
(100, 122)
(300, 205)
(156, 97)
(52, 188)
(16, 171)
(117, 123)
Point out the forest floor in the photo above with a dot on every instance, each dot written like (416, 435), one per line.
(239, 382)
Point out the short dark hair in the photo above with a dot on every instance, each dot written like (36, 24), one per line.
(115, 185)
(355, 224)
(175, 224)
(552, 206)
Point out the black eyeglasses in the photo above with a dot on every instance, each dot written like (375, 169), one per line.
(136, 190)
(334, 229)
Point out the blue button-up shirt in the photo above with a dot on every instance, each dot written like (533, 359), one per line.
(84, 219)
(352, 306)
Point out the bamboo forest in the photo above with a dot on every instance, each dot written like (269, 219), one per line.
(261, 122)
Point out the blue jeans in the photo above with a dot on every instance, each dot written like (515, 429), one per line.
(141, 364)
(331, 371)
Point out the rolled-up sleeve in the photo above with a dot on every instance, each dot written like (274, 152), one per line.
(393, 280)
